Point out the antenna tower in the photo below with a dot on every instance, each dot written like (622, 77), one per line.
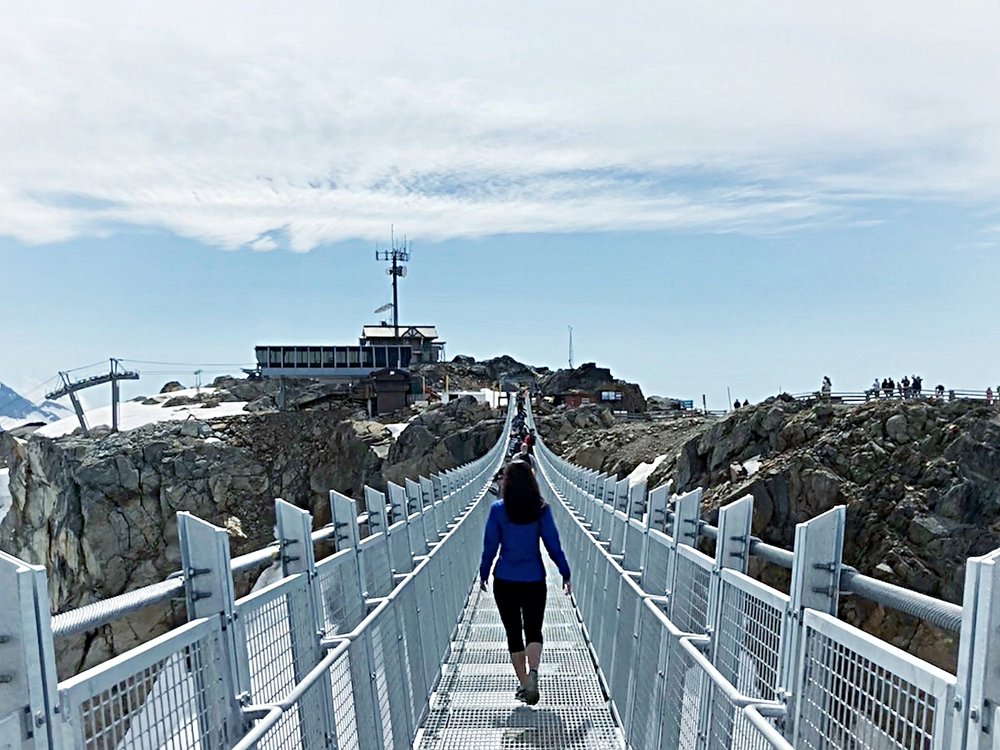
(396, 255)
(571, 347)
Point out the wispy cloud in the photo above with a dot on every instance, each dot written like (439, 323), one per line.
(259, 125)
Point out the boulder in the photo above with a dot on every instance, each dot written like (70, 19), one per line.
(896, 429)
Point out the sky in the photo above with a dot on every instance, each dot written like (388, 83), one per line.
(742, 196)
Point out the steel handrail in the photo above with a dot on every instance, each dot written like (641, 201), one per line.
(943, 614)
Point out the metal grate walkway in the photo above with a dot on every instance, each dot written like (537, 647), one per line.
(474, 705)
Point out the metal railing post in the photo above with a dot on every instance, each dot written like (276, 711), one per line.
(637, 500)
(687, 511)
(297, 556)
(656, 507)
(28, 689)
(621, 496)
(378, 517)
(347, 534)
(976, 708)
(732, 551)
(416, 499)
(732, 546)
(208, 591)
(818, 552)
(434, 510)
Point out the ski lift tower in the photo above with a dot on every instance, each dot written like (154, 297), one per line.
(69, 388)
(396, 255)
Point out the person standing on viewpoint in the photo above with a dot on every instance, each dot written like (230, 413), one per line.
(517, 521)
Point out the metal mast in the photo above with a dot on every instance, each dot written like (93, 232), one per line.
(396, 254)
(571, 347)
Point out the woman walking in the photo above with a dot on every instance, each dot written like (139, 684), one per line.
(517, 521)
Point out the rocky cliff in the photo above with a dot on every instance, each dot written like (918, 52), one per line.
(99, 512)
(920, 479)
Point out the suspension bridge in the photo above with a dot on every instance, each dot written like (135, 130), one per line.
(667, 642)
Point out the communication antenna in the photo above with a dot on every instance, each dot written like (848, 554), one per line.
(571, 347)
(396, 255)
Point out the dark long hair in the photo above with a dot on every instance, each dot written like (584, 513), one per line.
(522, 499)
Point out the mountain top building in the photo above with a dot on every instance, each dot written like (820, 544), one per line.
(378, 348)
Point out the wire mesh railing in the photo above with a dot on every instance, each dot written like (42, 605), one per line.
(339, 653)
(707, 658)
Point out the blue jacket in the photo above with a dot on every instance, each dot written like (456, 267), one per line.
(520, 557)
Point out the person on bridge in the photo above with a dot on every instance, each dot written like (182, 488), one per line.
(515, 525)
(529, 440)
(525, 455)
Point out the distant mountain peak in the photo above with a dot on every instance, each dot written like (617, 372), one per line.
(16, 410)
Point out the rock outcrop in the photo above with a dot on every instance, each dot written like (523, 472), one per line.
(443, 437)
(466, 374)
(100, 514)
(589, 378)
(920, 479)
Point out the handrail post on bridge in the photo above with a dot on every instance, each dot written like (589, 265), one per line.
(416, 505)
(208, 592)
(28, 687)
(637, 500)
(347, 534)
(687, 511)
(815, 584)
(656, 506)
(294, 526)
(976, 708)
(732, 552)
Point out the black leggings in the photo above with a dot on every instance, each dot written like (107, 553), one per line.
(522, 607)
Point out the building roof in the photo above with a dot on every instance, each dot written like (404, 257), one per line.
(405, 332)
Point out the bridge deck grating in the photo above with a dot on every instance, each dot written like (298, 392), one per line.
(474, 706)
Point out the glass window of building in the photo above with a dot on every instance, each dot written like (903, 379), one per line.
(353, 356)
(367, 357)
(380, 360)
(328, 357)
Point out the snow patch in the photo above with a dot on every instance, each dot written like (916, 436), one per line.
(752, 465)
(5, 499)
(642, 472)
(396, 429)
(133, 414)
